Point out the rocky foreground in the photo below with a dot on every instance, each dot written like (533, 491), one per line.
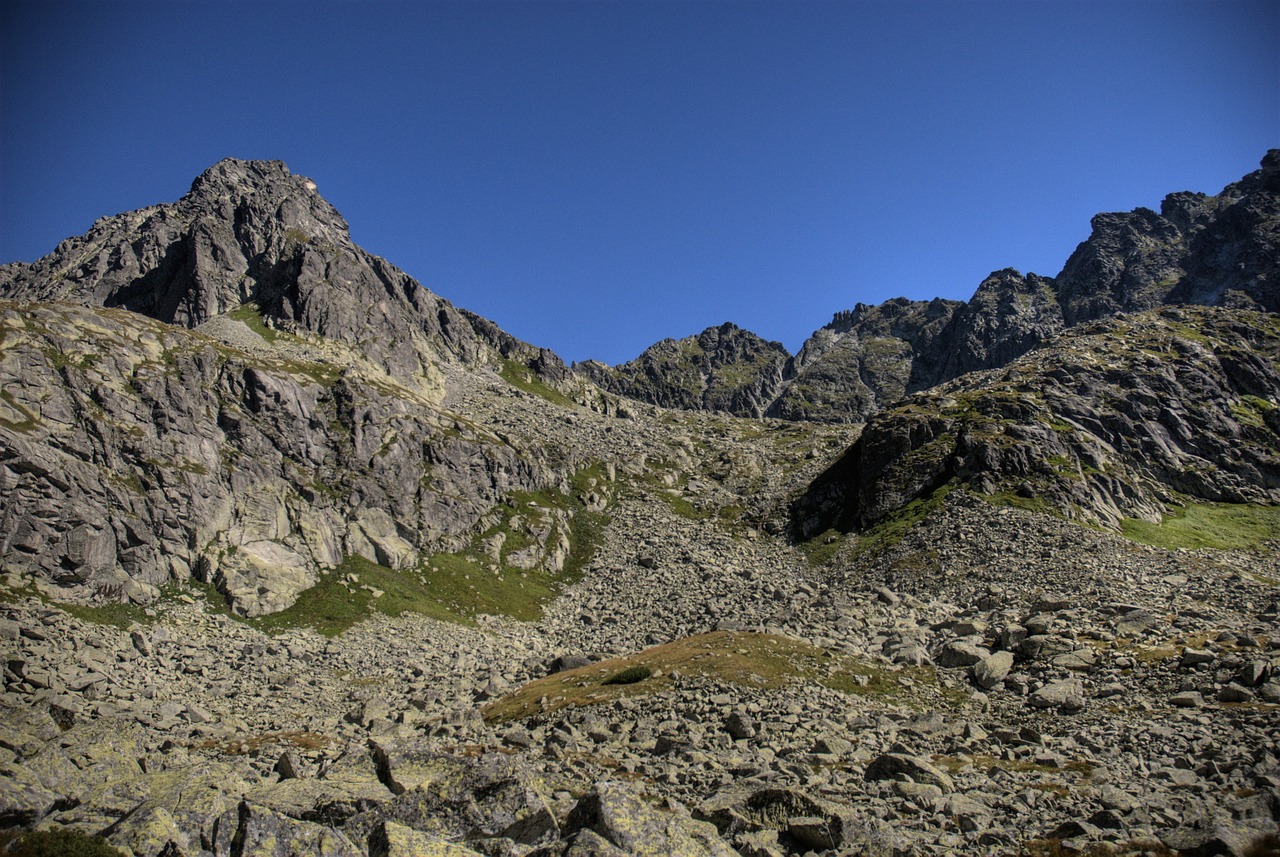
(998, 682)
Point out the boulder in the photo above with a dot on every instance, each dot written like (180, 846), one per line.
(895, 766)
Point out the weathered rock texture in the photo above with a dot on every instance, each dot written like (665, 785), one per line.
(865, 360)
(228, 387)
(972, 678)
(252, 232)
(723, 368)
(136, 453)
(1120, 418)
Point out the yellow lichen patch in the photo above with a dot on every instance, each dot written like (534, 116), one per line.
(294, 738)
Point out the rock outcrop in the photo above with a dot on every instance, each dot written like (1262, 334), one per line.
(1120, 418)
(550, 622)
(252, 234)
(137, 453)
(1211, 250)
(227, 387)
(865, 360)
(723, 369)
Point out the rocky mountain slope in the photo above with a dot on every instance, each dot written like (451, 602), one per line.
(1219, 250)
(297, 558)
(228, 387)
(723, 369)
(1120, 418)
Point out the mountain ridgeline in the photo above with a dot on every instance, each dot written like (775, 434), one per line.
(1206, 250)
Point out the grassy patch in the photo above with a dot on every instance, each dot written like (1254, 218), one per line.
(523, 378)
(55, 842)
(465, 587)
(1132, 848)
(300, 739)
(631, 675)
(250, 315)
(957, 764)
(1224, 526)
(681, 506)
(1252, 411)
(323, 374)
(915, 687)
(120, 615)
(822, 548)
(1017, 501)
(752, 660)
(25, 423)
(742, 658)
(891, 530)
(333, 605)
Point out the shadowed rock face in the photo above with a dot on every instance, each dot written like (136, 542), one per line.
(866, 359)
(250, 231)
(1110, 420)
(1008, 316)
(1210, 250)
(149, 434)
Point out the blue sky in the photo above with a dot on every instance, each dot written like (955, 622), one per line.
(596, 176)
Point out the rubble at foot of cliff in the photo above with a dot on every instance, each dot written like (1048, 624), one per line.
(1090, 692)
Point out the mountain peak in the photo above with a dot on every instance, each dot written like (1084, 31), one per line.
(235, 173)
(253, 232)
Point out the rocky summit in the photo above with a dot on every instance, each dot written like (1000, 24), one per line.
(298, 558)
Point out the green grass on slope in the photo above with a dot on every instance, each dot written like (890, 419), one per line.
(250, 314)
(330, 607)
(524, 378)
(1225, 526)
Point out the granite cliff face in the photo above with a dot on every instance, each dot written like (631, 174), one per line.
(1125, 417)
(252, 233)
(228, 387)
(1211, 250)
(864, 360)
(724, 369)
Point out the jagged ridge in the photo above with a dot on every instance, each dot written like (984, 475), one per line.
(1219, 250)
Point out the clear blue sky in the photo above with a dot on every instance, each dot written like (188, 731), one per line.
(596, 176)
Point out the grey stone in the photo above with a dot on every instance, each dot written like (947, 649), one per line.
(893, 766)
(992, 670)
(1067, 695)
(1187, 699)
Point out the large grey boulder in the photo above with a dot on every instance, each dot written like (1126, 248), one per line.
(894, 766)
(617, 813)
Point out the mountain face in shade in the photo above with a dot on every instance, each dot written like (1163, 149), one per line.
(1114, 419)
